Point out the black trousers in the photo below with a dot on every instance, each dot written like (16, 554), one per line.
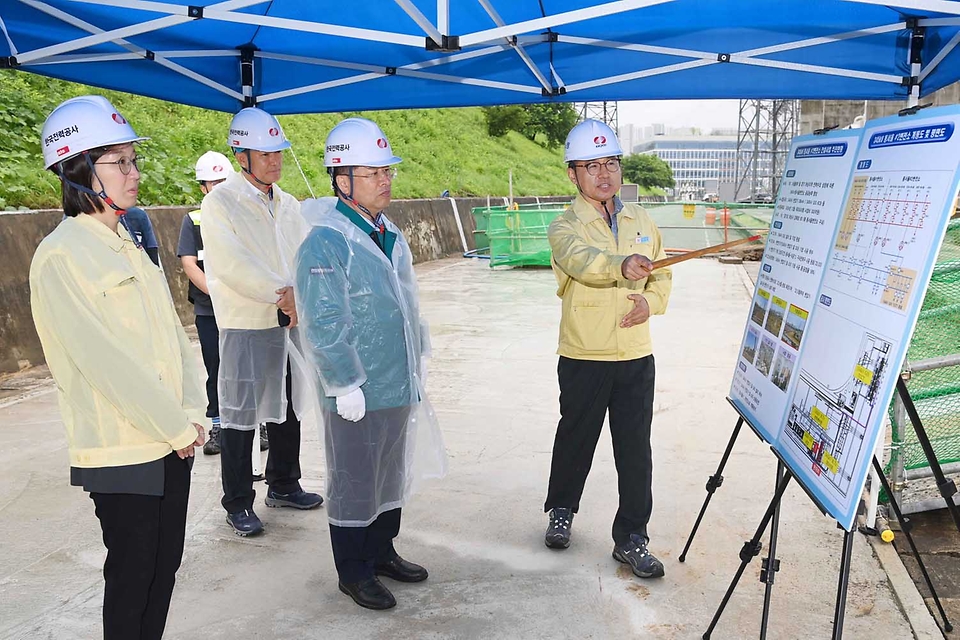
(588, 390)
(283, 461)
(144, 540)
(210, 349)
(357, 550)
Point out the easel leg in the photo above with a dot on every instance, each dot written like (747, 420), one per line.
(947, 487)
(905, 526)
(771, 565)
(750, 549)
(713, 482)
(845, 557)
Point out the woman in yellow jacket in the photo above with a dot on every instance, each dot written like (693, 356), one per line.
(128, 387)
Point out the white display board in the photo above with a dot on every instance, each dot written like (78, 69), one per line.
(811, 193)
(871, 272)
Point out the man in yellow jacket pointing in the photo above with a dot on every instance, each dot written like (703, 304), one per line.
(602, 251)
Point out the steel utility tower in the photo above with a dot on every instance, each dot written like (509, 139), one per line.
(605, 112)
(765, 130)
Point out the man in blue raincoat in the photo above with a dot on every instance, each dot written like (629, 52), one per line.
(358, 308)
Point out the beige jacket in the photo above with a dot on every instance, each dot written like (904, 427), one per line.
(244, 238)
(126, 377)
(586, 262)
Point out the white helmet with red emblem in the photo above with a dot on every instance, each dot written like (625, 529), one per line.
(256, 129)
(358, 142)
(589, 140)
(81, 124)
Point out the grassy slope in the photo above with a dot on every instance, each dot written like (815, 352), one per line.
(442, 148)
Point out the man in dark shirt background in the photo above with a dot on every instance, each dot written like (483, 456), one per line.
(212, 168)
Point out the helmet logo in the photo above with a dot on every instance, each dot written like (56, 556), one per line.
(381, 143)
(217, 168)
(118, 119)
(236, 143)
(274, 131)
(600, 140)
(335, 160)
(63, 151)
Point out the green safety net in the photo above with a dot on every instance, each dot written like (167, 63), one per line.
(936, 392)
(518, 236)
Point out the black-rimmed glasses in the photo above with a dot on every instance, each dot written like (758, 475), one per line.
(593, 168)
(126, 165)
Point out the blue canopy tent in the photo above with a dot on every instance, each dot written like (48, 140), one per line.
(297, 56)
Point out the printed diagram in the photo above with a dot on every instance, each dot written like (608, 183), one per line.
(768, 346)
(874, 250)
(759, 309)
(783, 368)
(775, 316)
(828, 426)
(750, 345)
(796, 322)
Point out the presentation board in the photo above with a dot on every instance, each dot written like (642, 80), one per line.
(854, 237)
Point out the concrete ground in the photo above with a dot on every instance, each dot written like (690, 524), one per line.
(479, 531)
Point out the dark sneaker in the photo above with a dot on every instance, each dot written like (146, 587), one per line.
(245, 523)
(557, 535)
(634, 553)
(264, 442)
(212, 446)
(299, 499)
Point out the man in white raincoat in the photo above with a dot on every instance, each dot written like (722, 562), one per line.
(361, 329)
(245, 219)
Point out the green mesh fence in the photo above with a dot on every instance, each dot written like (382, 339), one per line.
(517, 237)
(935, 392)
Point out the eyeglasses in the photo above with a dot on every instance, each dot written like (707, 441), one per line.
(593, 168)
(126, 165)
(381, 173)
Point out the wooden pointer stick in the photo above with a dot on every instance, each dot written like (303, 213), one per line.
(666, 262)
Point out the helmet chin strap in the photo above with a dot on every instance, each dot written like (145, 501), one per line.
(349, 196)
(251, 173)
(102, 194)
(580, 189)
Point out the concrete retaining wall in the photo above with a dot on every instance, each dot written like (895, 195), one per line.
(429, 226)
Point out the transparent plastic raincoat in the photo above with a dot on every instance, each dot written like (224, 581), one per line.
(360, 327)
(248, 240)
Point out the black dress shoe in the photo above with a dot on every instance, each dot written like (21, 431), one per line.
(401, 570)
(369, 594)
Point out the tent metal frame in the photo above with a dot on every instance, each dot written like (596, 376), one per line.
(451, 48)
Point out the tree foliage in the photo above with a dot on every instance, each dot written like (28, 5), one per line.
(442, 149)
(551, 121)
(647, 171)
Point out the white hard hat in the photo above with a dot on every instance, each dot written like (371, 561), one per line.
(81, 124)
(589, 140)
(213, 166)
(358, 142)
(256, 129)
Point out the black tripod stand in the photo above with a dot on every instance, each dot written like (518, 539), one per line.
(771, 565)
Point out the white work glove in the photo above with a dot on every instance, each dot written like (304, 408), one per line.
(423, 371)
(352, 406)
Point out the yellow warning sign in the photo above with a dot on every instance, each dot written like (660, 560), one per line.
(830, 462)
(863, 374)
(820, 418)
(689, 210)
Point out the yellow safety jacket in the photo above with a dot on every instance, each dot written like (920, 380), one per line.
(126, 378)
(586, 261)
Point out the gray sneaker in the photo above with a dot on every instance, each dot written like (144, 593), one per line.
(264, 440)
(557, 535)
(634, 553)
(212, 446)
